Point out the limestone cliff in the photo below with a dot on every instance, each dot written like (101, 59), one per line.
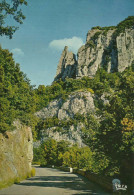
(66, 66)
(77, 103)
(16, 154)
(103, 48)
(125, 46)
(97, 52)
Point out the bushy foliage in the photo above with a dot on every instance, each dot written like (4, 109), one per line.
(104, 28)
(49, 153)
(17, 97)
(10, 8)
(114, 137)
(33, 171)
(125, 24)
(62, 154)
(120, 28)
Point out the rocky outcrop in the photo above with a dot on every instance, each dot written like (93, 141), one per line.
(66, 66)
(125, 47)
(98, 52)
(72, 134)
(103, 48)
(77, 103)
(16, 154)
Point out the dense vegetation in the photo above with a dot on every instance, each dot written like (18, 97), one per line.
(62, 154)
(128, 23)
(17, 99)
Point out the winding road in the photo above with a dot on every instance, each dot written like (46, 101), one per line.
(54, 182)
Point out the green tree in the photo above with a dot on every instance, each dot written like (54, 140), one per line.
(77, 157)
(10, 8)
(62, 147)
(50, 151)
(17, 97)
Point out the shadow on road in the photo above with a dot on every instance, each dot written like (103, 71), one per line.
(67, 181)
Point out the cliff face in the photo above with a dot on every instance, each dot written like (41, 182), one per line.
(125, 46)
(66, 66)
(16, 153)
(102, 49)
(98, 52)
(76, 103)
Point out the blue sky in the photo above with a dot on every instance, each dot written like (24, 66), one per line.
(52, 24)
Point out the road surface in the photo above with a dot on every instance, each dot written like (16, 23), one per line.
(54, 182)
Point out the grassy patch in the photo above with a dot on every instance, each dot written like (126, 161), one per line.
(33, 171)
(17, 180)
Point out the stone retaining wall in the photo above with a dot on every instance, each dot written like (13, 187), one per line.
(103, 181)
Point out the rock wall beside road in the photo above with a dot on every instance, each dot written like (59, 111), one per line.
(16, 154)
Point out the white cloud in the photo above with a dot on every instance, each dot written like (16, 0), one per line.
(17, 52)
(73, 43)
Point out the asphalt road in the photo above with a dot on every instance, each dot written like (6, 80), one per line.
(54, 182)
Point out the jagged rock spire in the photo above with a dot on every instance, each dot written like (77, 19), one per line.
(67, 65)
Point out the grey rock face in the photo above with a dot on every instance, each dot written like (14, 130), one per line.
(105, 96)
(97, 52)
(102, 49)
(125, 46)
(16, 153)
(107, 51)
(66, 66)
(51, 110)
(80, 102)
(72, 134)
(77, 102)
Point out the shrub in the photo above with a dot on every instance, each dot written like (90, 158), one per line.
(35, 163)
(17, 180)
(90, 90)
(43, 164)
(33, 171)
(28, 175)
